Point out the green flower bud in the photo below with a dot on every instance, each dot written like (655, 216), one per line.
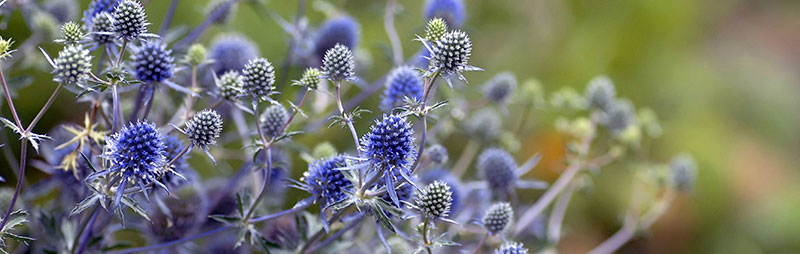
(196, 54)
(435, 29)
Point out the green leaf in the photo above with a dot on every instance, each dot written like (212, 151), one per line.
(240, 205)
(15, 219)
(86, 203)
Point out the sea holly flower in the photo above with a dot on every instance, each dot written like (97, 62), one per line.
(511, 248)
(259, 78)
(457, 189)
(203, 130)
(72, 66)
(229, 85)
(434, 201)
(683, 170)
(389, 148)
(310, 79)
(451, 11)
(96, 7)
(449, 56)
(500, 88)
(600, 94)
(619, 117)
(227, 13)
(338, 64)
(502, 175)
(130, 21)
(153, 62)
(435, 29)
(101, 28)
(497, 218)
(403, 82)
(72, 33)
(327, 184)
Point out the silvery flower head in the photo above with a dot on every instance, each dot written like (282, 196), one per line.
(72, 33)
(310, 79)
(498, 217)
(437, 154)
(619, 117)
(403, 82)
(600, 94)
(204, 128)
(259, 76)
(498, 168)
(325, 181)
(73, 65)
(511, 248)
(96, 7)
(434, 200)
(450, 55)
(225, 14)
(485, 125)
(102, 28)
(232, 52)
(153, 62)
(230, 85)
(273, 119)
(342, 30)
(137, 153)
(500, 88)
(338, 63)
(390, 141)
(452, 11)
(456, 187)
(130, 20)
(683, 169)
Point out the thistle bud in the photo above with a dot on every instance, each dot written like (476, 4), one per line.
(72, 33)
(338, 63)
(204, 128)
(435, 29)
(498, 217)
(310, 79)
(196, 54)
(435, 200)
(451, 53)
(273, 120)
(259, 76)
(72, 65)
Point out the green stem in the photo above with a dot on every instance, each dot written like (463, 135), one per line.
(425, 240)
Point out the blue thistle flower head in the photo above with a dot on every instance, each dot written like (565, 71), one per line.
(444, 175)
(325, 181)
(153, 62)
(259, 78)
(451, 53)
(403, 82)
(390, 141)
(500, 88)
(437, 154)
(498, 168)
(342, 30)
(498, 217)
(231, 53)
(511, 248)
(130, 20)
(451, 11)
(137, 151)
(97, 7)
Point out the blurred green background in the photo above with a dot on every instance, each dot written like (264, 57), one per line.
(722, 75)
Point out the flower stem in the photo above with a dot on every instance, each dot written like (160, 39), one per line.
(20, 178)
(263, 187)
(86, 232)
(557, 215)
(425, 240)
(117, 115)
(121, 53)
(346, 117)
(429, 83)
(394, 39)
(10, 101)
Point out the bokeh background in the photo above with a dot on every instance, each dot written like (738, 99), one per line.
(722, 75)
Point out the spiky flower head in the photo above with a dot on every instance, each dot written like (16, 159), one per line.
(338, 63)
(72, 33)
(230, 85)
(456, 187)
(273, 119)
(600, 93)
(130, 20)
(390, 141)
(102, 28)
(98, 6)
(204, 128)
(500, 88)
(226, 14)
(484, 125)
(498, 217)
(437, 154)
(498, 168)
(73, 64)
(435, 29)
(684, 170)
(231, 53)
(435, 200)
(403, 82)
(511, 248)
(5, 47)
(152, 62)
(341, 30)
(451, 53)
(259, 76)
(452, 11)
(196, 54)
(310, 79)
(138, 152)
(619, 117)
(325, 181)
